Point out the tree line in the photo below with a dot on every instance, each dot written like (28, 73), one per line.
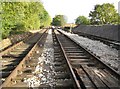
(18, 17)
(101, 14)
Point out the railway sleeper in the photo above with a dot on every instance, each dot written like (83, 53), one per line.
(84, 80)
(18, 53)
(12, 64)
(78, 57)
(61, 69)
(16, 60)
(8, 68)
(75, 54)
(59, 63)
(5, 74)
(77, 51)
(63, 83)
(97, 78)
(59, 59)
(62, 75)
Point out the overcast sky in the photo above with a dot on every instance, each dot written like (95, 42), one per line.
(73, 8)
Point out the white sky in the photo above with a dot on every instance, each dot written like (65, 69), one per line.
(73, 8)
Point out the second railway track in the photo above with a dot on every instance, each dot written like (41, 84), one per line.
(90, 72)
(13, 60)
(113, 44)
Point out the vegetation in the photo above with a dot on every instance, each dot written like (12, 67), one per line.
(82, 20)
(17, 17)
(59, 20)
(104, 14)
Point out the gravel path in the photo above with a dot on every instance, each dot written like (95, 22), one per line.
(106, 53)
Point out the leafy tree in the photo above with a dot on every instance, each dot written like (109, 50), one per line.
(45, 19)
(82, 20)
(59, 20)
(104, 14)
(8, 17)
(18, 17)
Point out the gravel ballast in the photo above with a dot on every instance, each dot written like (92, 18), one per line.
(106, 53)
(44, 69)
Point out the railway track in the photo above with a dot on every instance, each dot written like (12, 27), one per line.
(12, 46)
(64, 76)
(89, 71)
(106, 41)
(15, 59)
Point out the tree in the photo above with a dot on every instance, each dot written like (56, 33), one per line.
(104, 14)
(59, 20)
(45, 19)
(17, 17)
(82, 20)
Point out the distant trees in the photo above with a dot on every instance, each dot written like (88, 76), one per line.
(59, 20)
(104, 14)
(21, 16)
(82, 20)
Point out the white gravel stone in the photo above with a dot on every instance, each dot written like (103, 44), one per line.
(43, 71)
(106, 53)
